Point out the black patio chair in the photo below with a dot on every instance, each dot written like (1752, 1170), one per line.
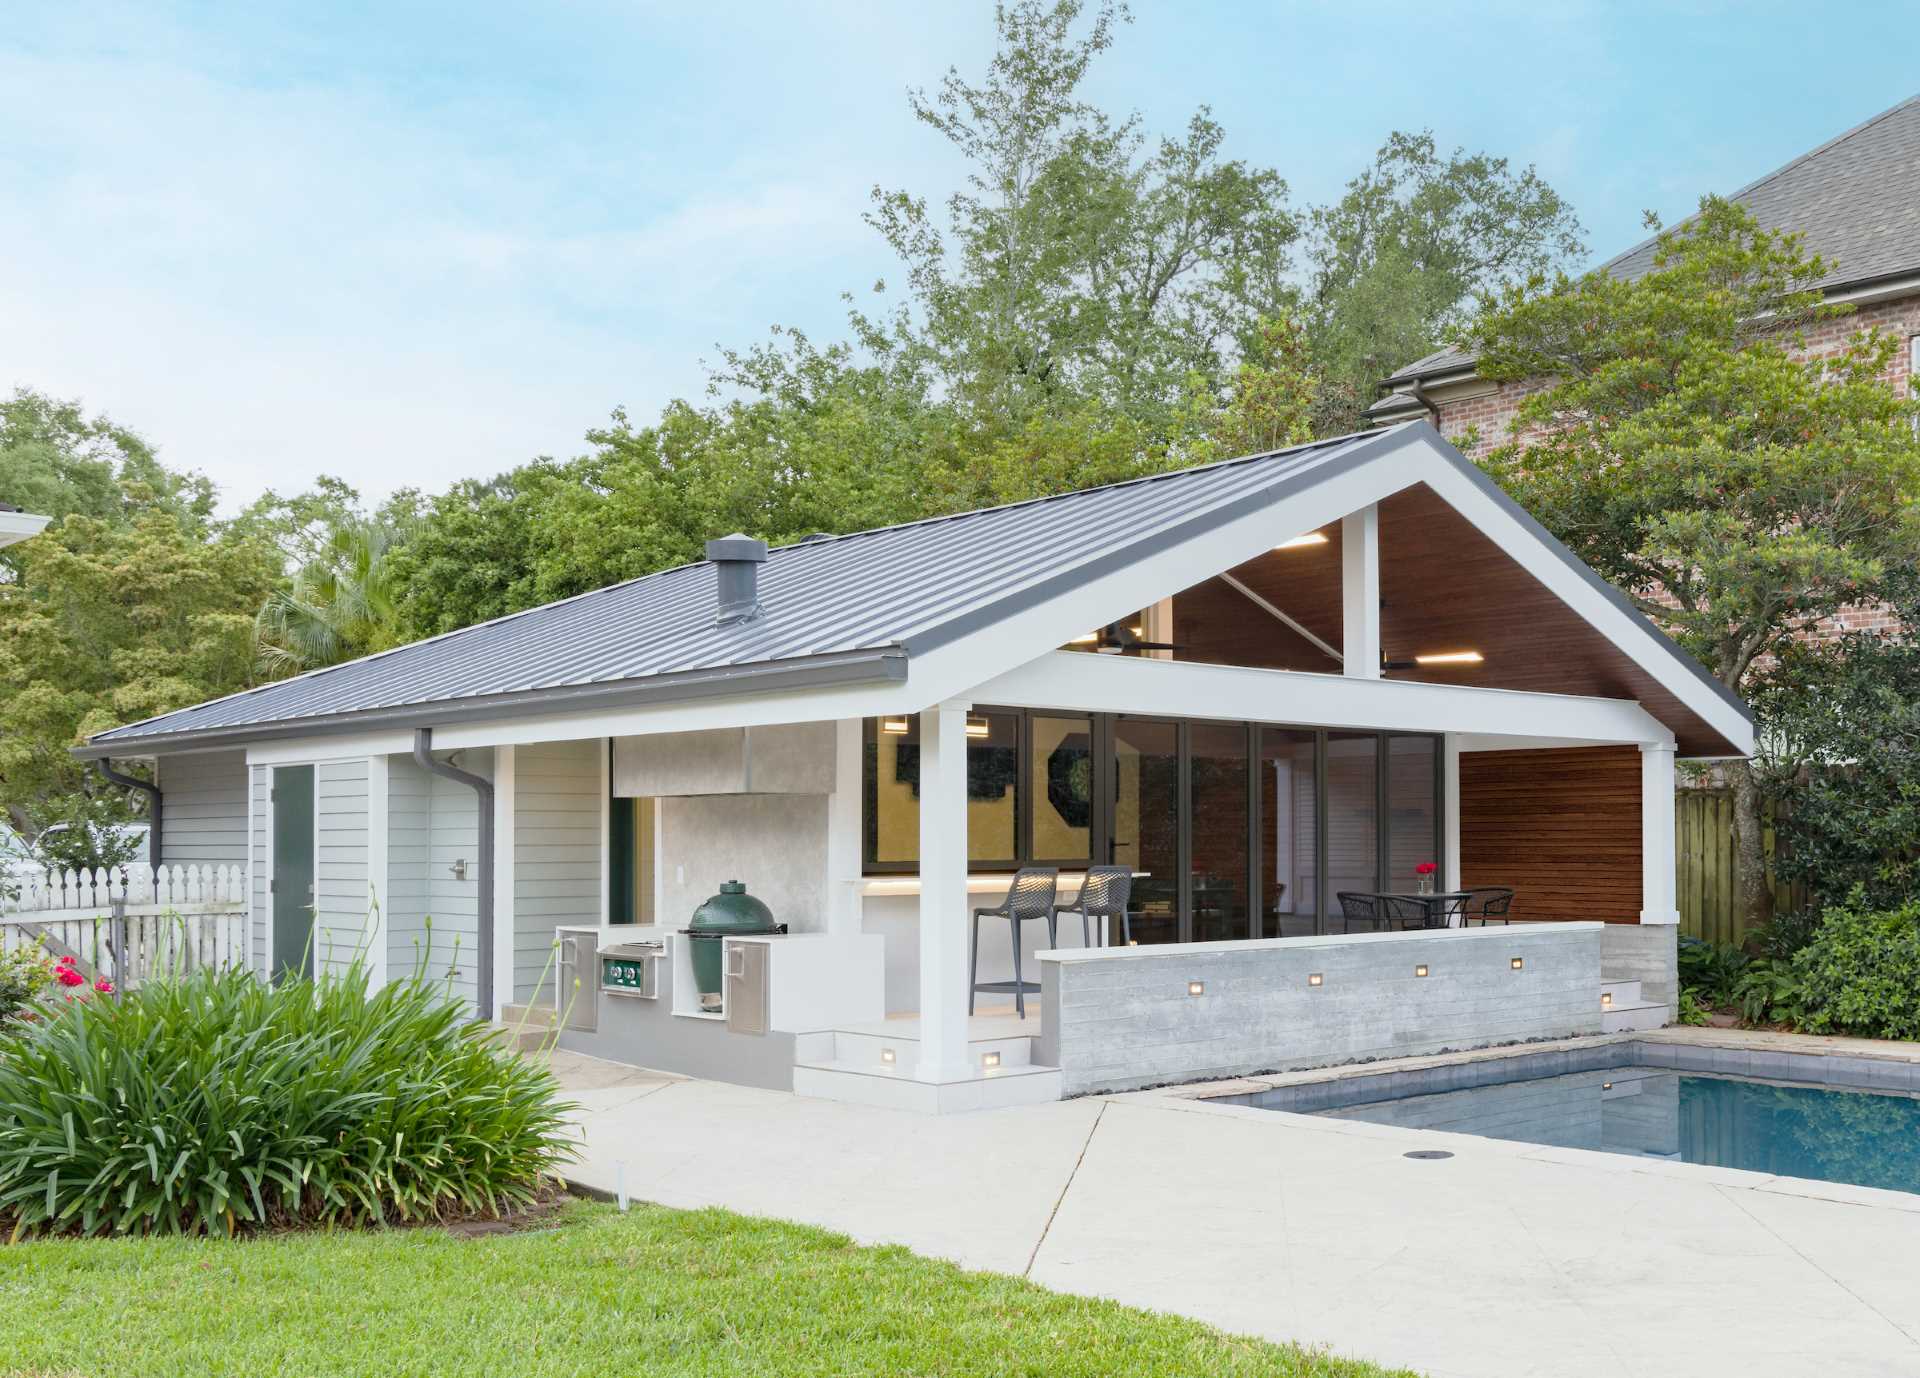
(1032, 895)
(1405, 912)
(1103, 895)
(1486, 903)
(1361, 908)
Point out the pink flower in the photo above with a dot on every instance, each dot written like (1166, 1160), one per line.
(105, 987)
(67, 976)
(66, 961)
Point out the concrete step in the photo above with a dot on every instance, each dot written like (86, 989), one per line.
(867, 1084)
(862, 1048)
(529, 1039)
(1637, 1017)
(1622, 993)
(533, 1016)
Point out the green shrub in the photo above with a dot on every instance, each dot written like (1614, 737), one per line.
(216, 1103)
(1711, 971)
(1770, 991)
(1689, 1010)
(1861, 973)
(25, 976)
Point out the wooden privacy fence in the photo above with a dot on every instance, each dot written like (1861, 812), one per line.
(177, 918)
(1703, 859)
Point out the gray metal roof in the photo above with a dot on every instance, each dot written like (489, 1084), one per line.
(841, 609)
(1856, 198)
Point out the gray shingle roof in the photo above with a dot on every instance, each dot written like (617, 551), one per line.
(899, 589)
(1856, 198)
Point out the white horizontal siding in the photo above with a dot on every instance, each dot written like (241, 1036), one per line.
(203, 809)
(261, 914)
(341, 894)
(557, 841)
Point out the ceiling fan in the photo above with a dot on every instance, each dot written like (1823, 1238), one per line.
(1117, 638)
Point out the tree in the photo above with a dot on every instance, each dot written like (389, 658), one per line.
(1684, 446)
(57, 461)
(341, 605)
(1399, 261)
(108, 623)
(1082, 262)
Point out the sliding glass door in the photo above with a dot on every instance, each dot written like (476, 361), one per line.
(1145, 825)
(1288, 806)
(1220, 812)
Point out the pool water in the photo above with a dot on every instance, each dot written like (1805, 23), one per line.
(1868, 1138)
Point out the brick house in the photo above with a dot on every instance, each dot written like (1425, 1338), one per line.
(1856, 198)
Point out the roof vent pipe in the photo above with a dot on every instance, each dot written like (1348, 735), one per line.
(736, 561)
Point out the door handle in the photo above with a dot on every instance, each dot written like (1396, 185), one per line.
(736, 961)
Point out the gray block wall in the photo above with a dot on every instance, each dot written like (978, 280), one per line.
(1124, 1018)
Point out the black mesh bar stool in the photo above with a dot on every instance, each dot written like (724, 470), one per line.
(1103, 895)
(1031, 896)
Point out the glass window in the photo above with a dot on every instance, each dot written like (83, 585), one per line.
(1289, 833)
(1353, 809)
(1217, 781)
(1412, 763)
(1061, 770)
(1146, 823)
(892, 814)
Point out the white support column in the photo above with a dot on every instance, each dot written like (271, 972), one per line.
(943, 893)
(843, 830)
(1360, 593)
(1450, 803)
(606, 830)
(504, 809)
(379, 832)
(1659, 903)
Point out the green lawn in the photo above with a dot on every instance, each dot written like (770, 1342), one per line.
(655, 1291)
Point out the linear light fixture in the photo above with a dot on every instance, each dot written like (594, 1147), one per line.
(1302, 541)
(978, 727)
(1450, 658)
(1085, 639)
(894, 725)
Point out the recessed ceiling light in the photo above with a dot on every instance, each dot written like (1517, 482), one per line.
(1450, 658)
(1298, 542)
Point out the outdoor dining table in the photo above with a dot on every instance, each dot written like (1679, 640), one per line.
(1433, 904)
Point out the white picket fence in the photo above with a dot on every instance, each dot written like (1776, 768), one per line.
(177, 918)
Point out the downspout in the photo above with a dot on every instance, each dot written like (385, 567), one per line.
(152, 791)
(483, 962)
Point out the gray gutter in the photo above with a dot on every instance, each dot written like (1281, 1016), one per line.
(883, 665)
(152, 791)
(483, 910)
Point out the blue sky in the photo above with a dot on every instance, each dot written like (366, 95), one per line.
(409, 243)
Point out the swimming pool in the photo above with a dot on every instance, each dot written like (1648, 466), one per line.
(1619, 1101)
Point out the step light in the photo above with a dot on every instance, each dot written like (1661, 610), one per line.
(1420, 970)
(989, 1060)
(1315, 978)
(886, 1056)
(1196, 988)
(1517, 963)
(1606, 1000)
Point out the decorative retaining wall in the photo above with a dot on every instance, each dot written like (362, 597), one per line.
(1118, 1019)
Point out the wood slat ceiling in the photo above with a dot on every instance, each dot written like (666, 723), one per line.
(1444, 587)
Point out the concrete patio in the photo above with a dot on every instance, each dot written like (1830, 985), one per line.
(1507, 1259)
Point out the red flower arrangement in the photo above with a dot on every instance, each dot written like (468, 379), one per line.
(1426, 868)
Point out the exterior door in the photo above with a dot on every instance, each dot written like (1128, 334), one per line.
(292, 885)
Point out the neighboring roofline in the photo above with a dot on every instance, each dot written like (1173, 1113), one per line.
(879, 665)
(1780, 171)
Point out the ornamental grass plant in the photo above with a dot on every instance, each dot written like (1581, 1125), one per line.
(214, 1103)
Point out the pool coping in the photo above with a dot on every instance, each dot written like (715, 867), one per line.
(1836, 1062)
